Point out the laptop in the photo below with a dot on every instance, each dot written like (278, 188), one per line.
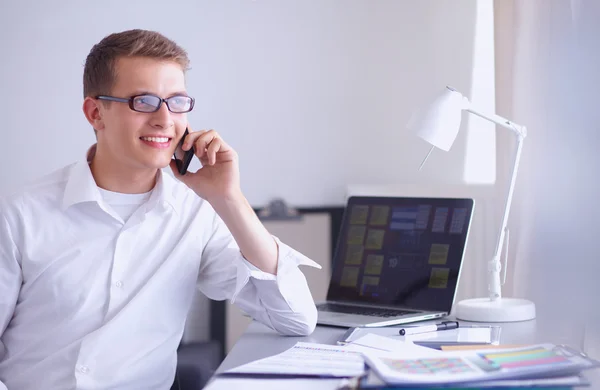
(397, 260)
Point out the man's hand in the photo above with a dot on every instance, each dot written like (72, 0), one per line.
(219, 177)
(218, 181)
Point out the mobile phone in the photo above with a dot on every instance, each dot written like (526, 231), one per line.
(183, 158)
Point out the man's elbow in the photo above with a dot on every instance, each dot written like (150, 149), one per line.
(301, 323)
(308, 325)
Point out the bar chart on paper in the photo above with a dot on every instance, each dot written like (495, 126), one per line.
(522, 359)
(532, 362)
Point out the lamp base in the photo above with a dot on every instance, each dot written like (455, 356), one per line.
(501, 310)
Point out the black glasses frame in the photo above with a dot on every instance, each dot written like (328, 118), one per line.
(161, 101)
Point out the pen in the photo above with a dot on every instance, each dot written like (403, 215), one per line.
(429, 328)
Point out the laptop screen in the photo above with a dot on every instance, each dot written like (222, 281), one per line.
(405, 252)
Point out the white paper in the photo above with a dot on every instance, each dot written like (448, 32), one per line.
(481, 335)
(538, 382)
(460, 335)
(532, 362)
(373, 380)
(309, 359)
(400, 349)
(273, 384)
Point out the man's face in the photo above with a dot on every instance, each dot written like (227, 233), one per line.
(136, 140)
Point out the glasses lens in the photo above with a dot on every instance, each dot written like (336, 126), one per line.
(145, 103)
(180, 103)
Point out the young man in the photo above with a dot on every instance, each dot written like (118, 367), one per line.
(99, 260)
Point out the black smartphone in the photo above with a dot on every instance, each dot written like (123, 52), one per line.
(183, 158)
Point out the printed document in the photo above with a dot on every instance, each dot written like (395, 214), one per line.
(308, 359)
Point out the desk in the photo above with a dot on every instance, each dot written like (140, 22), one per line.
(259, 342)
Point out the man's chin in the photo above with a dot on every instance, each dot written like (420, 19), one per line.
(157, 164)
(162, 165)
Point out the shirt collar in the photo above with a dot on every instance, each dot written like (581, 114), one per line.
(81, 187)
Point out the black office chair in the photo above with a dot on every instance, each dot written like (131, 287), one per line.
(196, 363)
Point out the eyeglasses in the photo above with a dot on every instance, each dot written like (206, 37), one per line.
(151, 103)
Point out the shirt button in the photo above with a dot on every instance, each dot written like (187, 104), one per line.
(84, 369)
(119, 284)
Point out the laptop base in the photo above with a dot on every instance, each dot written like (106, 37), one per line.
(355, 320)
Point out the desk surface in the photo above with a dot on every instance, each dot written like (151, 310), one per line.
(259, 342)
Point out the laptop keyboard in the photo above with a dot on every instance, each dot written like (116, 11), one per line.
(365, 311)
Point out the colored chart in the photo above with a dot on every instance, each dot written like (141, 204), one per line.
(523, 358)
(404, 218)
(439, 220)
(423, 217)
(459, 219)
(429, 366)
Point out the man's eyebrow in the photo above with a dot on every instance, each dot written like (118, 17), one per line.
(179, 93)
(142, 92)
(145, 92)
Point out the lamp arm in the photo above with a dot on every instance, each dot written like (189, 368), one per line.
(494, 266)
(497, 119)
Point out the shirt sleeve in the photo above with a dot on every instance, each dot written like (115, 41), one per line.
(10, 281)
(283, 301)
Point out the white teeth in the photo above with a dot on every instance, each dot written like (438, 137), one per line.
(156, 139)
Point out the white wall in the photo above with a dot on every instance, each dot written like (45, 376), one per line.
(469, 169)
(551, 85)
(314, 95)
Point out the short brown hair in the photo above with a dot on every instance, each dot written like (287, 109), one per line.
(99, 71)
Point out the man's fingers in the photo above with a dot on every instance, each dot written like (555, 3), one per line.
(203, 160)
(193, 137)
(212, 150)
(208, 144)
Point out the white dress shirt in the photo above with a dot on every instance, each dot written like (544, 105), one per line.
(91, 298)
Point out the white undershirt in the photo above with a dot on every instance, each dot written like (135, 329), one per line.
(124, 204)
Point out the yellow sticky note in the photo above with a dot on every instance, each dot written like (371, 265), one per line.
(379, 215)
(439, 277)
(349, 277)
(354, 254)
(439, 253)
(358, 214)
(375, 238)
(374, 264)
(356, 234)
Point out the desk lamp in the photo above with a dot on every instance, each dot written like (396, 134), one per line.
(438, 124)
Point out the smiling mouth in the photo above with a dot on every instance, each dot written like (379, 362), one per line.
(160, 140)
(160, 143)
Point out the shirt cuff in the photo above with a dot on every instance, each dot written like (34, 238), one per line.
(287, 261)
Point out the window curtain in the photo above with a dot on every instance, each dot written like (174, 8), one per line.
(548, 78)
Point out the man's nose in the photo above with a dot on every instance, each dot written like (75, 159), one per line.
(161, 119)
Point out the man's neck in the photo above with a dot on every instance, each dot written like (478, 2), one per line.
(112, 177)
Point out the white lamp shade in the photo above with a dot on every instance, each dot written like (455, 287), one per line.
(439, 122)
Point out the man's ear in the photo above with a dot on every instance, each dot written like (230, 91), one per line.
(93, 113)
